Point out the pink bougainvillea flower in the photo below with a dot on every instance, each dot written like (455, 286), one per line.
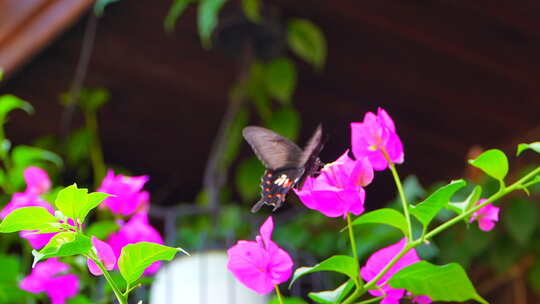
(338, 189)
(137, 229)
(377, 133)
(260, 265)
(48, 277)
(421, 300)
(486, 216)
(378, 261)
(105, 254)
(37, 180)
(127, 190)
(29, 199)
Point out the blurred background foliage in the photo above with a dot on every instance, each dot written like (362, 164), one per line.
(262, 94)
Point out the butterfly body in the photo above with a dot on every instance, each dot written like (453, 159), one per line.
(286, 164)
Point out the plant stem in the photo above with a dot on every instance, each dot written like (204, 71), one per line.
(502, 192)
(122, 298)
(278, 294)
(411, 244)
(371, 300)
(351, 237)
(399, 186)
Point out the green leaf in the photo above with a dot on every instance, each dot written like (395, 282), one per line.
(441, 283)
(338, 263)
(285, 121)
(428, 209)
(521, 220)
(307, 41)
(176, 10)
(79, 299)
(27, 218)
(248, 178)
(383, 216)
(63, 244)
(252, 10)
(493, 162)
(275, 300)
(92, 201)
(102, 229)
(24, 156)
(207, 19)
(535, 146)
(280, 79)
(100, 5)
(332, 296)
(9, 103)
(70, 200)
(135, 258)
(468, 203)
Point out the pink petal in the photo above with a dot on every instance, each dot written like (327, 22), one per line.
(266, 230)
(37, 180)
(247, 262)
(127, 190)
(25, 199)
(105, 254)
(61, 288)
(385, 119)
(136, 230)
(421, 300)
(378, 260)
(37, 241)
(362, 173)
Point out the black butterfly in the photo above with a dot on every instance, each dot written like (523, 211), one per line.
(287, 166)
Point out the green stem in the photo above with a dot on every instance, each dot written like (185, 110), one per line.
(122, 298)
(399, 186)
(371, 300)
(351, 237)
(96, 153)
(278, 293)
(502, 192)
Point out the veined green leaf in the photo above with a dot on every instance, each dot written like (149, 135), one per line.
(70, 199)
(280, 79)
(176, 10)
(535, 146)
(385, 216)
(63, 244)
(27, 218)
(252, 9)
(207, 19)
(447, 283)
(338, 263)
(468, 203)
(24, 156)
(135, 258)
(102, 229)
(428, 209)
(332, 296)
(9, 103)
(307, 41)
(493, 162)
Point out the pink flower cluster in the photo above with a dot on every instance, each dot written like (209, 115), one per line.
(49, 276)
(337, 191)
(128, 199)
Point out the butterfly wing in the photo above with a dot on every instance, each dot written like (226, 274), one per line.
(310, 156)
(274, 186)
(275, 151)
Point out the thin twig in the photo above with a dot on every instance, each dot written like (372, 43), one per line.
(80, 73)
